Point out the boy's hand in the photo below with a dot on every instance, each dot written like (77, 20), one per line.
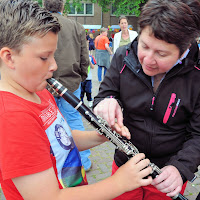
(169, 181)
(130, 175)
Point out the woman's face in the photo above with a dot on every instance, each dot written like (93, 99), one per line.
(156, 56)
(123, 24)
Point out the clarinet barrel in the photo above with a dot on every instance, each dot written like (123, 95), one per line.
(102, 127)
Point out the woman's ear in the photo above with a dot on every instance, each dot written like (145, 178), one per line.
(6, 55)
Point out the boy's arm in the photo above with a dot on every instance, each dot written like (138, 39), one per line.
(44, 185)
(88, 139)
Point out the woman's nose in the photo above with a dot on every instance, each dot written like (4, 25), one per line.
(149, 58)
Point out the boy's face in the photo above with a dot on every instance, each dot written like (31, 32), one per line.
(35, 63)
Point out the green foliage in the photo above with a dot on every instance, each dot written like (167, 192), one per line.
(128, 7)
(39, 2)
(125, 7)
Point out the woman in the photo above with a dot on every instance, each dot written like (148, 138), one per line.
(156, 82)
(103, 52)
(91, 44)
(125, 36)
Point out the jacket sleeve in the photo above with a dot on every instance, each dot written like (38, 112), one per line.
(111, 83)
(187, 159)
(84, 56)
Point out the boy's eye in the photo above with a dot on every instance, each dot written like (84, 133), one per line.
(43, 58)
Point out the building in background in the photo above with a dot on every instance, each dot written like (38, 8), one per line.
(92, 18)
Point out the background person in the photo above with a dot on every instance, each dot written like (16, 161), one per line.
(125, 36)
(156, 82)
(72, 67)
(103, 52)
(86, 86)
(91, 44)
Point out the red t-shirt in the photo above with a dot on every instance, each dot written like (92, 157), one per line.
(100, 42)
(33, 138)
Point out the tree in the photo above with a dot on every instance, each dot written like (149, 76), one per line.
(125, 7)
(39, 2)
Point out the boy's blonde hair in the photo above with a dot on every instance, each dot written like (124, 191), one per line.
(22, 19)
(91, 36)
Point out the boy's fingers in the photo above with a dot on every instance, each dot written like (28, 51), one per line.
(137, 158)
(146, 181)
(145, 171)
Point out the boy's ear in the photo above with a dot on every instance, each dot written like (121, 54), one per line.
(6, 55)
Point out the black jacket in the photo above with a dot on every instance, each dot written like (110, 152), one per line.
(164, 125)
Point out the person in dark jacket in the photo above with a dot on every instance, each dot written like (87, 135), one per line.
(153, 88)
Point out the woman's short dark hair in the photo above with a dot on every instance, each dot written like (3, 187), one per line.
(176, 22)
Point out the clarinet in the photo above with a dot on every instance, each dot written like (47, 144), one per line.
(102, 127)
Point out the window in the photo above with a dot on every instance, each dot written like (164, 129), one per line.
(85, 9)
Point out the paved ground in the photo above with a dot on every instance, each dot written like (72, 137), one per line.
(102, 156)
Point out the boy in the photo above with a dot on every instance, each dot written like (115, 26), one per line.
(86, 86)
(38, 156)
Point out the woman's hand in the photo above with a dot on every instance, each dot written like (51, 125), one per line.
(169, 181)
(110, 110)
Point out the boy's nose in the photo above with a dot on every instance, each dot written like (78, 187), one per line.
(53, 66)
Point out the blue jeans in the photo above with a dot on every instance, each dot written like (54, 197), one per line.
(100, 72)
(74, 120)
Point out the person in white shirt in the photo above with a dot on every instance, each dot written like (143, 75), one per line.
(125, 36)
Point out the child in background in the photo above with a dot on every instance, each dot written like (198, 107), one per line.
(91, 44)
(86, 86)
(39, 154)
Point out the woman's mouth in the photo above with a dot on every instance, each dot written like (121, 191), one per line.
(149, 68)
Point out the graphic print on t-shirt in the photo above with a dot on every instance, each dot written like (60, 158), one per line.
(68, 163)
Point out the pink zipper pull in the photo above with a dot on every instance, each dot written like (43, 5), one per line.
(152, 103)
(169, 108)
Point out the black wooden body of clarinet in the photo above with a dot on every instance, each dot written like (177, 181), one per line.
(102, 127)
